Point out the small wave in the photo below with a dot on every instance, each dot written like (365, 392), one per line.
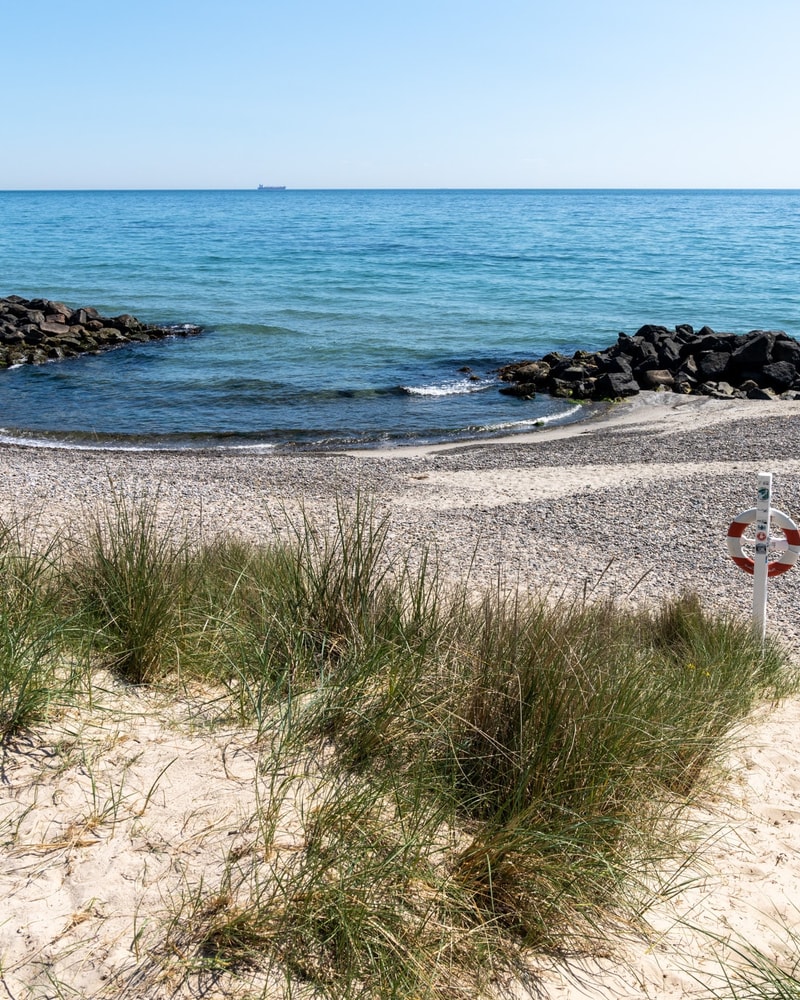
(256, 446)
(458, 387)
(293, 438)
(181, 329)
(176, 443)
(532, 424)
(31, 441)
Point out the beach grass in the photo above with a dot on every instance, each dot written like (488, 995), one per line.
(34, 672)
(468, 776)
(750, 973)
(131, 588)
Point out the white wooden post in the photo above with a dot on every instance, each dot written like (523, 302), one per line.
(761, 556)
(785, 547)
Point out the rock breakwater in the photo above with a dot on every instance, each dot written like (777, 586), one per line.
(762, 364)
(33, 331)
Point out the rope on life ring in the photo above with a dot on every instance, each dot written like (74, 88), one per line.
(792, 543)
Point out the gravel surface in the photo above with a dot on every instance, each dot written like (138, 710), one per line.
(639, 510)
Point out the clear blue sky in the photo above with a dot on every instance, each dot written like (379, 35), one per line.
(418, 93)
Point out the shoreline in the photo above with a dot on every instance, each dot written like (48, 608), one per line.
(21, 438)
(634, 502)
(645, 410)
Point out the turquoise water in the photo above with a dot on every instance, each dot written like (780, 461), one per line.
(337, 318)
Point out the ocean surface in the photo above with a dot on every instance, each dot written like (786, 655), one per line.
(347, 318)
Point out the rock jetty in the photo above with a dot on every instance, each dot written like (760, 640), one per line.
(762, 364)
(33, 331)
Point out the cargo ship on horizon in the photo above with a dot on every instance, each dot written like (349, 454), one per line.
(271, 187)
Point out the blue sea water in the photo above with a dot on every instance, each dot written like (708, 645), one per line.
(345, 318)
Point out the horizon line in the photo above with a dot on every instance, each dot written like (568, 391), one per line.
(286, 189)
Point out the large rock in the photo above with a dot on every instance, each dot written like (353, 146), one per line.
(780, 375)
(615, 385)
(753, 352)
(33, 331)
(657, 378)
(712, 364)
(53, 328)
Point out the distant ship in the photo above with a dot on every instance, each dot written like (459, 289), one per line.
(271, 187)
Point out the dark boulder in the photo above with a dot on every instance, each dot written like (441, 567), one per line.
(669, 352)
(644, 354)
(571, 373)
(759, 393)
(126, 322)
(712, 364)
(523, 390)
(754, 351)
(619, 365)
(615, 385)
(780, 375)
(786, 349)
(53, 328)
(652, 334)
(656, 378)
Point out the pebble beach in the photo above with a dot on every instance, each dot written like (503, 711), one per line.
(633, 502)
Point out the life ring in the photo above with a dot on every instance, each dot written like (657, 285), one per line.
(792, 544)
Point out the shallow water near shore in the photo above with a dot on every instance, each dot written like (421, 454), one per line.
(346, 318)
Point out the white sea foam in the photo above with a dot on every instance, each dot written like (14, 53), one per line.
(27, 441)
(256, 447)
(532, 424)
(61, 444)
(456, 387)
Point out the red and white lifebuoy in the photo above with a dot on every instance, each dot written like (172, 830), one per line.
(790, 547)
